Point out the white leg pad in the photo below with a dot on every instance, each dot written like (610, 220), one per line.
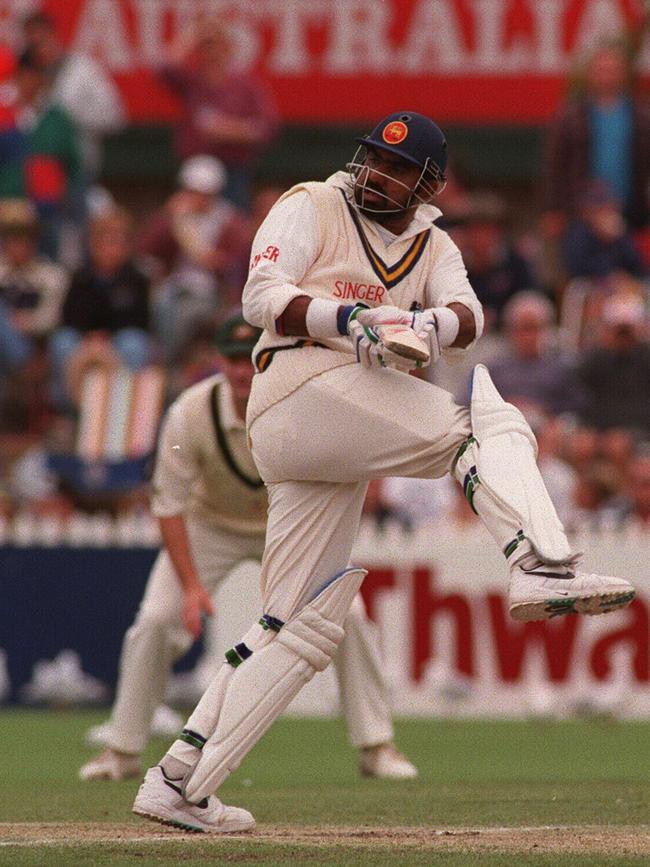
(505, 461)
(262, 687)
(205, 715)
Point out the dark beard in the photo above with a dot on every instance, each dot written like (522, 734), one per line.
(371, 211)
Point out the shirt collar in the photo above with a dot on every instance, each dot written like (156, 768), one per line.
(422, 219)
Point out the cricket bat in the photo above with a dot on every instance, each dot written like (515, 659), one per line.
(402, 340)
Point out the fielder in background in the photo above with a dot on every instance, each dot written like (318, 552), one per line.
(211, 505)
(331, 407)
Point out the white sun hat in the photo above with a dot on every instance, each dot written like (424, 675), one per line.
(202, 174)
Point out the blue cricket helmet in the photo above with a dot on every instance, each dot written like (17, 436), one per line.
(416, 139)
(413, 137)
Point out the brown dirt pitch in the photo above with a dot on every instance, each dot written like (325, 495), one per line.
(631, 841)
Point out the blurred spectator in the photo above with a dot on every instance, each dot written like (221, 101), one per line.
(532, 372)
(15, 348)
(106, 310)
(583, 300)
(39, 156)
(33, 487)
(31, 291)
(558, 474)
(201, 244)
(80, 85)
(99, 201)
(580, 445)
(596, 497)
(616, 372)
(225, 112)
(617, 445)
(600, 132)
(636, 508)
(598, 242)
(31, 286)
(496, 269)
(595, 468)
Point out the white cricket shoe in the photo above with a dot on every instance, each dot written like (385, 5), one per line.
(160, 800)
(385, 762)
(549, 591)
(111, 765)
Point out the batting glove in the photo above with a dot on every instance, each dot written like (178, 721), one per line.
(384, 315)
(371, 352)
(425, 325)
(438, 325)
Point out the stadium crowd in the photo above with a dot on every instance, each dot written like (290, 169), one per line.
(84, 285)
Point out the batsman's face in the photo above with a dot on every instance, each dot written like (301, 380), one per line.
(385, 182)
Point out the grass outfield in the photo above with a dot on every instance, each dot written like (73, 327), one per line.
(494, 793)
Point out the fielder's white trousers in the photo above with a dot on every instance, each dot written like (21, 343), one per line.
(317, 449)
(158, 638)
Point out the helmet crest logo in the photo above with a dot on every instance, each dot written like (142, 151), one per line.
(395, 132)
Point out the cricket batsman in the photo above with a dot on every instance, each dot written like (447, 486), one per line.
(337, 267)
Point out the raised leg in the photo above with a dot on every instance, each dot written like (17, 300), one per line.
(497, 467)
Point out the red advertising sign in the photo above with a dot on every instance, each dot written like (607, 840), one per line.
(488, 61)
(481, 619)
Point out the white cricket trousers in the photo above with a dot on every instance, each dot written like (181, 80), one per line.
(158, 638)
(317, 449)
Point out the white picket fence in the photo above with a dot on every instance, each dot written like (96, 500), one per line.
(81, 530)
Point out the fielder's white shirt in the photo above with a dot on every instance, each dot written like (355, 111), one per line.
(203, 464)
